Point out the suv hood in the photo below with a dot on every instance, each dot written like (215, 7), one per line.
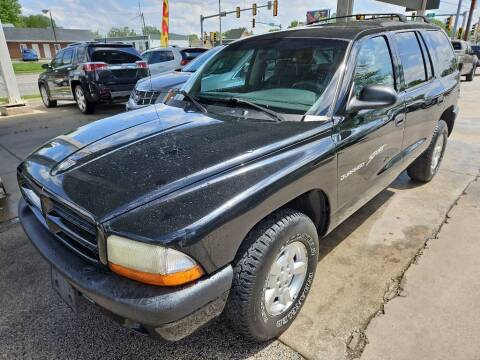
(163, 81)
(113, 165)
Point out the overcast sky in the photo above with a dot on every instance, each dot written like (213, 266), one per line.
(101, 15)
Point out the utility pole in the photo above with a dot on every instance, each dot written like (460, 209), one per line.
(220, 20)
(421, 12)
(455, 24)
(6, 70)
(51, 22)
(473, 5)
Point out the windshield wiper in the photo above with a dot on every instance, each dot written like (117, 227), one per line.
(194, 101)
(232, 100)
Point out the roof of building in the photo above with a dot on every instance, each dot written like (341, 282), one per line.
(155, 36)
(40, 34)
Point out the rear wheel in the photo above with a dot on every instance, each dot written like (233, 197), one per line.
(273, 274)
(426, 166)
(471, 75)
(46, 97)
(84, 105)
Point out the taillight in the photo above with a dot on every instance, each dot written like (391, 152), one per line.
(184, 62)
(94, 66)
(141, 64)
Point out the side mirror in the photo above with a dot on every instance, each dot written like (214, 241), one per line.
(372, 97)
(46, 66)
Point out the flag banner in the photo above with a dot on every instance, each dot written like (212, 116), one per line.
(164, 36)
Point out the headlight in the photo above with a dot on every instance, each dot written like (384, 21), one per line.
(150, 264)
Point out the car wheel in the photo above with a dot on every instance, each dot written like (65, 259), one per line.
(273, 273)
(84, 105)
(46, 97)
(426, 166)
(471, 75)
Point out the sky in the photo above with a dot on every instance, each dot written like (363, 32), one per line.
(101, 15)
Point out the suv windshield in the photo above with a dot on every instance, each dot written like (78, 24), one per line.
(289, 75)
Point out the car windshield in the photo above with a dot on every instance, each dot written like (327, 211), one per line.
(288, 75)
(199, 61)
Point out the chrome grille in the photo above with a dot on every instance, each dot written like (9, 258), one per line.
(72, 229)
(145, 97)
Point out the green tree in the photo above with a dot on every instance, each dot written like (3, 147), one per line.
(10, 11)
(121, 32)
(295, 23)
(35, 21)
(150, 30)
(441, 24)
(96, 34)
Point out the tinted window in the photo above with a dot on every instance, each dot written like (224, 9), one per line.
(191, 54)
(374, 65)
(411, 58)
(160, 56)
(457, 45)
(67, 57)
(58, 59)
(114, 56)
(443, 56)
(427, 57)
(81, 54)
(199, 61)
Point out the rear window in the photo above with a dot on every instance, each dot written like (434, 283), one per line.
(444, 58)
(457, 45)
(190, 54)
(411, 57)
(156, 57)
(114, 55)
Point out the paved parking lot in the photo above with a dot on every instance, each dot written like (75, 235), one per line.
(361, 264)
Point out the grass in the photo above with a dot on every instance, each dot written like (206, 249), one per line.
(3, 100)
(27, 67)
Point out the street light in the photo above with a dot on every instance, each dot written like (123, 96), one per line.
(51, 21)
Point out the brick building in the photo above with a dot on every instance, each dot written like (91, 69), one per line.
(42, 40)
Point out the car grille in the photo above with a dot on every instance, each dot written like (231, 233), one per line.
(75, 231)
(145, 97)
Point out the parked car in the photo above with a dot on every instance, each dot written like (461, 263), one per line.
(476, 50)
(91, 73)
(215, 201)
(162, 60)
(467, 60)
(29, 55)
(153, 89)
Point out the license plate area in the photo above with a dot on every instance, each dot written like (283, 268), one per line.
(66, 291)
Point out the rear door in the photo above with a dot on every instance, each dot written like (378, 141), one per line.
(52, 76)
(369, 142)
(161, 61)
(423, 92)
(63, 74)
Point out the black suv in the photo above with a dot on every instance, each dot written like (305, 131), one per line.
(90, 73)
(216, 201)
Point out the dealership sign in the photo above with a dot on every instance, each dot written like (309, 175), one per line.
(314, 15)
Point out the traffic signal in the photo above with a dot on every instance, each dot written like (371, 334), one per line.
(237, 10)
(275, 7)
(253, 22)
(215, 37)
(205, 37)
(460, 33)
(472, 32)
(254, 9)
(448, 23)
(212, 36)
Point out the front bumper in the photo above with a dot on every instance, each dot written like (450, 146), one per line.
(171, 313)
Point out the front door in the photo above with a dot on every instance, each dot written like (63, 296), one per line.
(369, 142)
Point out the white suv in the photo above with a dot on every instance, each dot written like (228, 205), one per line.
(171, 58)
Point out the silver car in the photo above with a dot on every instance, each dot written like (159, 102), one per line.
(161, 60)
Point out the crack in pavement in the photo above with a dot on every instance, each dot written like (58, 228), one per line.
(10, 152)
(357, 340)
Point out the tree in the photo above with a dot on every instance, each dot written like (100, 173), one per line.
(150, 30)
(441, 24)
(295, 23)
(10, 11)
(121, 32)
(193, 37)
(96, 34)
(35, 21)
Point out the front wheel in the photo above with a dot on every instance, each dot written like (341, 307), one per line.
(46, 97)
(426, 166)
(273, 274)
(84, 105)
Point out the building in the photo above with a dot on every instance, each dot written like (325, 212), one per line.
(142, 43)
(42, 40)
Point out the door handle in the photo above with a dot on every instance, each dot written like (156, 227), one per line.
(399, 120)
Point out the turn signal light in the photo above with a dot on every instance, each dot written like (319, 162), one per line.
(94, 66)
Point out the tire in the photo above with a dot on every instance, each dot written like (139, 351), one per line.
(84, 105)
(425, 167)
(258, 271)
(471, 75)
(46, 97)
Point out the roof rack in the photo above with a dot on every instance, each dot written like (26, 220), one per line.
(400, 17)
